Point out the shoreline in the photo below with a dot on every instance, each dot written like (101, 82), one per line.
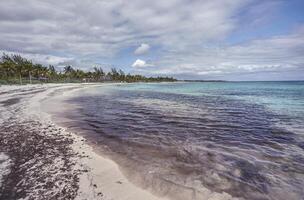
(89, 175)
(142, 176)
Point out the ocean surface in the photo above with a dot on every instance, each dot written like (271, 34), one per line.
(245, 139)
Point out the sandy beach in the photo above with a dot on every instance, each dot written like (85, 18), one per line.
(41, 160)
(152, 100)
(124, 142)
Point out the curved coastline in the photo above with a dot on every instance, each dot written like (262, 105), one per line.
(162, 164)
(135, 176)
(89, 175)
(102, 176)
(60, 157)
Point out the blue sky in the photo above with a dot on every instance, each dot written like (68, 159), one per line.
(279, 18)
(187, 39)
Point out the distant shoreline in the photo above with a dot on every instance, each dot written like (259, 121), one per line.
(203, 81)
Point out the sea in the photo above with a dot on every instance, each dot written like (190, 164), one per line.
(191, 140)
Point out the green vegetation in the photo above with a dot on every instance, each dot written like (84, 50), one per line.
(15, 69)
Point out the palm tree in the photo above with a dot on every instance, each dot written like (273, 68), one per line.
(68, 69)
(2, 71)
(98, 73)
(122, 75)
(79, 74)
(28, 66)
(52, 72)
(12, 66)
(45, 74)
(19, 65)
(114, 74)
(8, 66)
(38, 68)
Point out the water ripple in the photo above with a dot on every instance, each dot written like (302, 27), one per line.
(223, 144)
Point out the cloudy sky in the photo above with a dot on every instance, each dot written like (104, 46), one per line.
(187, 39)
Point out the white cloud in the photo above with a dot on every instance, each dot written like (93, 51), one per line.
(101, 29)
(142, 49)
(140, 64)
(275, 54)
(41, 58)
(190, 36)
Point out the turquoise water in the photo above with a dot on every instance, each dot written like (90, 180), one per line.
(284, 98)
(240, 138)
(281, 97)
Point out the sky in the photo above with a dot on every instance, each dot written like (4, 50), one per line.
(186, 39)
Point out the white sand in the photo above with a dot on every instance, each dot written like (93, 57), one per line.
(102, 178)
(107, 177)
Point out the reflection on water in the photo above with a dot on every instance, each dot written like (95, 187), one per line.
(223, 139)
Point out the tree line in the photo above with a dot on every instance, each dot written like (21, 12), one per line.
(17, 69)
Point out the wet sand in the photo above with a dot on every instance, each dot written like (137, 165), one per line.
(41, 160)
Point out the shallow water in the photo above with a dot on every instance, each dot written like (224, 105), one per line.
(242, 138)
